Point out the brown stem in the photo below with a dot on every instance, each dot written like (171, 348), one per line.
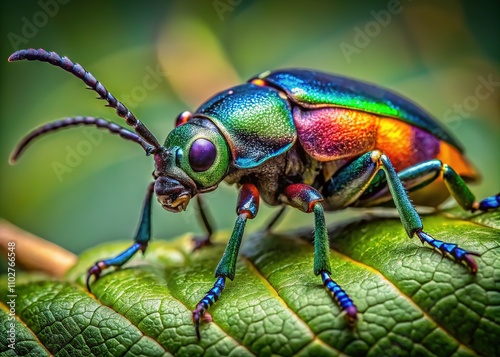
(34, 253)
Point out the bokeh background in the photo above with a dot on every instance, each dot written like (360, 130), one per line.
(164, 57)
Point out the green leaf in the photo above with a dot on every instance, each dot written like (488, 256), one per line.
(411, 300)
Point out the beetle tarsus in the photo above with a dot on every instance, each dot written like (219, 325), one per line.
(489, 203)
(452, 249)
(208, 300)
(344, 301)
(120, 259)
(95, 271)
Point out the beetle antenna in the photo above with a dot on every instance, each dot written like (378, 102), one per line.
(79, 120)
(78, 71)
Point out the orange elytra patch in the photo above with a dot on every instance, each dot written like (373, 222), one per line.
(450, 155)
(405, 144)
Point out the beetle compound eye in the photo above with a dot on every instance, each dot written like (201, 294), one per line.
(202, 155)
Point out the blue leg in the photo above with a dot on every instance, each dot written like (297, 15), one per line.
(247, 208)
(210, 298)
(141, 240)
(488, 203)
(341, 297)
(307, 199)
(452, 249)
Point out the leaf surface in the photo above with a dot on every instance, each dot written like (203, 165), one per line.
(411, 300)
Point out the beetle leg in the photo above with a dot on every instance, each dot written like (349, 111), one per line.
(421, 175)
(200, 242)
(247, 207)
(462, 194)
(351, 181)
(141, 240)
(488, 203)
(307, 199)
(413, 178)
(355, 179)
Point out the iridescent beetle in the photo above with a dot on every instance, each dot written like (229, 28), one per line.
(297, 138)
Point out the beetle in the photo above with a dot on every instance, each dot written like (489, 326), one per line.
(294, 137)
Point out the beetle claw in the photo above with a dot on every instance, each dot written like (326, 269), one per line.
(200, 311)
(87, 281)
(197, 326)
(470, 262)
(95, 271)
(197, 314)
(452, 249)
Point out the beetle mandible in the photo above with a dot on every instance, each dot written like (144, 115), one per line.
(297, 138)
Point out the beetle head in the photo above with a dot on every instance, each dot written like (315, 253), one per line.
(194, 159)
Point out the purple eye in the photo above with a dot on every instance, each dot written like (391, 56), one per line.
(202, 155)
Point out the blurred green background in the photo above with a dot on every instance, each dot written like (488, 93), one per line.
(164, 57)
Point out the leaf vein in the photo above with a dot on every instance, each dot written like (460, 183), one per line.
(258, 273)
(18, 318)
(402, 294)
(93, 297)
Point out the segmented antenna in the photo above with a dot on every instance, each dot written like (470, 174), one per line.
(79, 120)
(78, 71)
